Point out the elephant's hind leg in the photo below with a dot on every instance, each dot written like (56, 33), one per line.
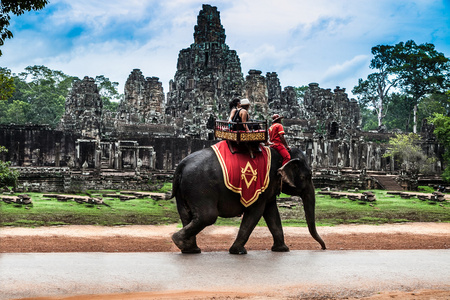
(185, 239)
(186, 245)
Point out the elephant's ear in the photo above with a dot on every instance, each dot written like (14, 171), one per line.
(288, 171)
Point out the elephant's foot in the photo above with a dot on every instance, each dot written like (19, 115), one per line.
(238, 250)
(192, 250)
(186, 246)
(280, 248)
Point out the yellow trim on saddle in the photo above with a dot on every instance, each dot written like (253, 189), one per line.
(244, 172)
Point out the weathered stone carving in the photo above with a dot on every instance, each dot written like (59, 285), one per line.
(256, 92)
(208, 77)
(332, 114)
(83, 111)
(144, 100)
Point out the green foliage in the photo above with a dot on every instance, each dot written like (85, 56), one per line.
(369, 119)
(399, 112)
(15, 113)
(442, 132)
(8, 177)
(300, 92)
(167, 187)
(15, 7)
(420, 68)
(320, 128)
(433, 104)
(415, 70)
(6, 84)
(406, 150)
(39, 97)
(425, 189)
(373, 92)
(108, 92)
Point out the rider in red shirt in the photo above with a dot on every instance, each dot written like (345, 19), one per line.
(277, 140)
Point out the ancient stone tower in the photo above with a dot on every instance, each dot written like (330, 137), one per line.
(332, 114)
(208, 77)
(83, 111)
(143, 101)
(256, 92)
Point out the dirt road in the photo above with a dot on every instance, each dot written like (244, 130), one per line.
(219, 238)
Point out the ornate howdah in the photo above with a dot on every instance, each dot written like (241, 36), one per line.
(257, 131)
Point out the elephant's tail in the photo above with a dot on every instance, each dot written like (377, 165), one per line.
(176, 182)
(182, 205)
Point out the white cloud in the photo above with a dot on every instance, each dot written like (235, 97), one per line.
(346, 68)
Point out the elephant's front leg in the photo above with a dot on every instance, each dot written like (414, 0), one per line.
(249, 221)
(273, 220)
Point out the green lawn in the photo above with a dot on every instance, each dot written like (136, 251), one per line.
(386, 209)
(53, 212)
(329, 211)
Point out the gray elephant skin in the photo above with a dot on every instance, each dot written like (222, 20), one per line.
(202, 196)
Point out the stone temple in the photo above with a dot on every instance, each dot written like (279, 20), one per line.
(151, 132)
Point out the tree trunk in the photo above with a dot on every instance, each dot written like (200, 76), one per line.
(415, 119)
(380, 117)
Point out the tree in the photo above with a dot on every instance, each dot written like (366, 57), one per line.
(300, 93)
(368, 119)
(442, 131)
(405, 148)
(417, 70)
(421, 70)
(431, 104)
(40, 94)
(373, 92)
(399, 112)
(17, 112)
(108, 92)
(8, 177)
(6, 84)
(15, 7)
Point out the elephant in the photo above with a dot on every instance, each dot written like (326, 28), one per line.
(202, 196)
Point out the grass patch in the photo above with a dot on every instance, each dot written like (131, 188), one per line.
(146, 211)
(47, 212)
(386, 209)
(167, 187)
(426, 189)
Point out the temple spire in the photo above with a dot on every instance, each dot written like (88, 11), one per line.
(208, 28)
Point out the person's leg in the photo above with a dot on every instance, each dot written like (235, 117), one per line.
(284, 153)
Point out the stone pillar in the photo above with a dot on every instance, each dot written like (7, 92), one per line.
(57, 154)
(78, 163)
(98, 155)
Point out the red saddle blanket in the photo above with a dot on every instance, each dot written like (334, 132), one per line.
(242, 174)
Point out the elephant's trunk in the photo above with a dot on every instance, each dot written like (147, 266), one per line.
(309, 205)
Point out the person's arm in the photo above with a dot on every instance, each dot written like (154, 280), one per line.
(233, 111)
(282, 139)
(244, 118)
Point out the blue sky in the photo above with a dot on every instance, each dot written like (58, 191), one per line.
(323, 41)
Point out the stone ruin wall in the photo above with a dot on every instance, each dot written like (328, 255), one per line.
(149, 133)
